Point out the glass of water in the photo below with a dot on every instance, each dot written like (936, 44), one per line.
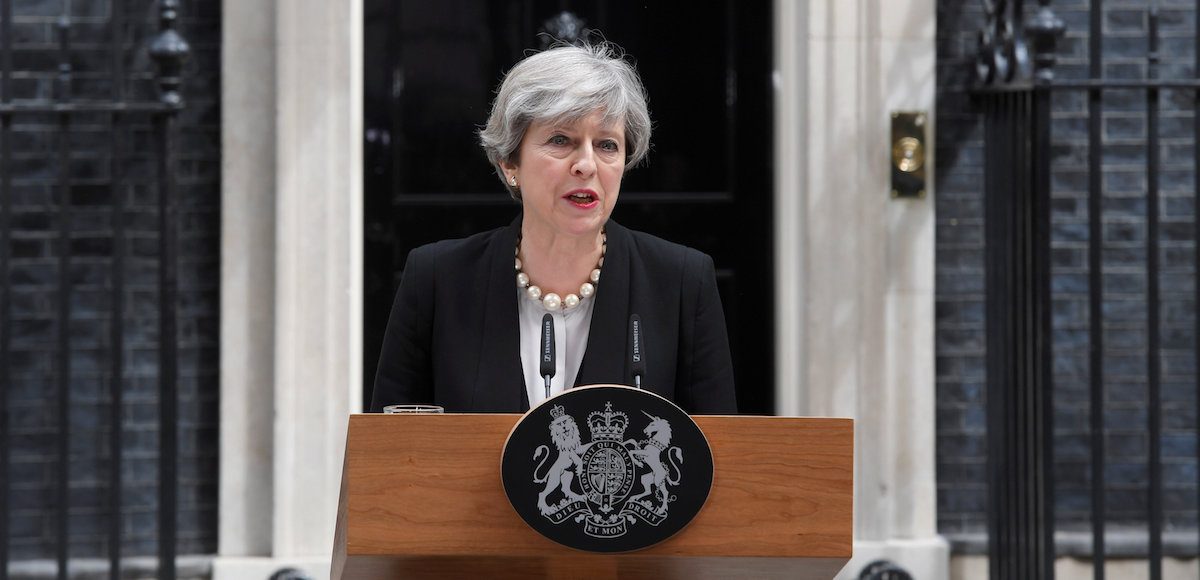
(406, 409)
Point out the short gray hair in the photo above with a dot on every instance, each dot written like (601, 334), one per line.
(564, 84)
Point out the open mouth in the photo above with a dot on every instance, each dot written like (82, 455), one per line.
(582, 198)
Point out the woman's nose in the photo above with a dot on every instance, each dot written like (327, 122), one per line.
(585, 162)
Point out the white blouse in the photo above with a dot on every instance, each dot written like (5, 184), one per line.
(571, 329)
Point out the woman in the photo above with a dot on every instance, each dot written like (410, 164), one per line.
(465, 326)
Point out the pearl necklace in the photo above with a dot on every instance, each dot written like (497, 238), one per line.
(552, 301)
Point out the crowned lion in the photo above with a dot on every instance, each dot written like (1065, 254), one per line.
(565, 434)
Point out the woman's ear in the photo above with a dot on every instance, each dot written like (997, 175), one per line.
(510, 173)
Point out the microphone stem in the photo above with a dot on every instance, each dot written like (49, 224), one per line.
(548, 386)
(637, 381)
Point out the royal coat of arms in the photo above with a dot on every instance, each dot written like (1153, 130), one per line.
(601, 468)
(610, 482)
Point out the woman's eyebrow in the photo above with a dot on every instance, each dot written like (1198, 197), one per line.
(571, 127)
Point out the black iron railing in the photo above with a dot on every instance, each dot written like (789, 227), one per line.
(169, 51)
(1016, 78)
(1015, 98)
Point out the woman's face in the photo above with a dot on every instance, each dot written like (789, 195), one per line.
(570, 174)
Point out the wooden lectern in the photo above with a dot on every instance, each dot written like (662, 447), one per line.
(422, 498)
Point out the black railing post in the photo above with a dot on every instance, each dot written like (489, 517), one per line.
(5, 261)
(169, 51)
(1045, 29)
(1096, 289)
(63, 95)
(168, 355)
(1153, 348)
(1016, 96)
(117, 315)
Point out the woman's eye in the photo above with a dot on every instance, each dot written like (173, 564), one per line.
(610, 146)
(559, 140)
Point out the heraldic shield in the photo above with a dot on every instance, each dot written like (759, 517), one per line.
(607, 468)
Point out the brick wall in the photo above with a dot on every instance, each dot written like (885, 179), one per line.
(33, 395)
(960, 291)
(960, 370)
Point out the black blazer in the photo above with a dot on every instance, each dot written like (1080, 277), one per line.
(453, 338)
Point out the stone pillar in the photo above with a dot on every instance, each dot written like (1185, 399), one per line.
(291, 290)
(855, 277)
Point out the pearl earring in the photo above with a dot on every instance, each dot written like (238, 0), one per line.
(512, 180)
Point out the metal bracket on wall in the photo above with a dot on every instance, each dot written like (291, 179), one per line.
(908, 154)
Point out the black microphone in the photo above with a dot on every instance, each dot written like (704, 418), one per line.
(547, 350)
(637, 349)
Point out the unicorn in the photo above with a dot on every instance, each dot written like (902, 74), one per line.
(658, 434)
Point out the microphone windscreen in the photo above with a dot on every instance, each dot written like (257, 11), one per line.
(547, 354)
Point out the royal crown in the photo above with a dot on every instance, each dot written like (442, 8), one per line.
(609, 425)
(556, 411)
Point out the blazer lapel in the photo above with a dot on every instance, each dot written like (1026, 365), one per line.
(500, 384)
(604, 358)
